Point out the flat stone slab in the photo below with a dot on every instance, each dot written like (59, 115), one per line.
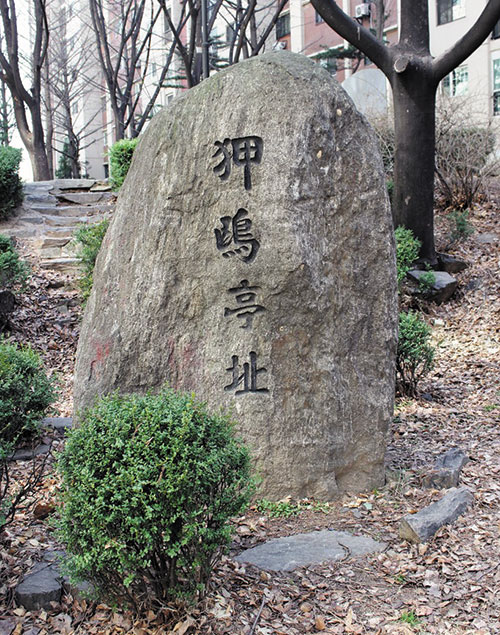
(26, 454)
(58, 423)
(420, 527)
(443, 287)
(487, 238)
(287, 554)
(40, 587)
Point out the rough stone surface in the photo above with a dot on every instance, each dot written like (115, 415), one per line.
(26, 454)
(286, 554)
(40, 587)
(442, 289)
(420, 527)
(314, 238)
(446, 470)
(451, 264)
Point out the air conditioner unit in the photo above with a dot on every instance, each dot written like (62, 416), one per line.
(279, 45)
(362, 10)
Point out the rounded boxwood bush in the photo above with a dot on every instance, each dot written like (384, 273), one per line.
(11, 186)
(120, 158)
(149, 484)
(25, 393)
(415, 354)
(13, 270)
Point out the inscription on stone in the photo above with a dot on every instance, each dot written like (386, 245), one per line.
(248, 378)
(246, 308)
(255, 267)
(243, 152)
(235, 238)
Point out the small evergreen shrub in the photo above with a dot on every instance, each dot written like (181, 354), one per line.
(460, 225)
(13, 270)
(415, 354)
(63, 170)
(25, 393)
(149, 484)
(407, 250)
(120, 158)
(426, 281)
(88, 240)
(11, 186)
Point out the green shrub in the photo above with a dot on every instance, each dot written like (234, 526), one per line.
(88, 240)
(12, 269)
(25, 395)
(415, 354)
(460, 225)
(64, 164)
(120, 158)
(25, 392)
(426, 281)
(11, 186)
(407, 249)
(149, 484)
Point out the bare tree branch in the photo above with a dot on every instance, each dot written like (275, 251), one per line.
(467, 44)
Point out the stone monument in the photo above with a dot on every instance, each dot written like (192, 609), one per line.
(251, 260)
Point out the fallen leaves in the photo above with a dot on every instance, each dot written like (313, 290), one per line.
(450, 584)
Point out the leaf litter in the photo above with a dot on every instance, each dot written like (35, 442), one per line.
(447, 586)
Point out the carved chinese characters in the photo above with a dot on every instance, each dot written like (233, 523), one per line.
(235, 239)
(243, 151)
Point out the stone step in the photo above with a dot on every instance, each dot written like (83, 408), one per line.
(53, 241)
(40, 198)
(32, 220)
(56, 253)
(61, 264)
(72, 184)
(68, 210)
(64, 221)
(86, 198)
(61, 232)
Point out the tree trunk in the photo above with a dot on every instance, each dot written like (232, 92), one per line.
(414, 95)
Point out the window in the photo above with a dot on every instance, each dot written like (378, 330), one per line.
(496, 86)
(283, 26)
(74, 107)
(105, 138)
(317, 18)
(457, 82)
(496, 31)
(449, 10)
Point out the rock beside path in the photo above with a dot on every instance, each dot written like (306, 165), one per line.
(420, 527)
(443, 287)
(446, 470)
(287, 554)
(40, 587)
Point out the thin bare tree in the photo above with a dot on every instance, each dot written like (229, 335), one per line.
(27, 101)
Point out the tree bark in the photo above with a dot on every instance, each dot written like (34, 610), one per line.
(414, 123)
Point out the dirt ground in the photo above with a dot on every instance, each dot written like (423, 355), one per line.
(450, 585)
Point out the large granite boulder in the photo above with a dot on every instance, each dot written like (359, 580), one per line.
(251, 260)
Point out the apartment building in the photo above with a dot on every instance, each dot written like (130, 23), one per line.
(476, 82)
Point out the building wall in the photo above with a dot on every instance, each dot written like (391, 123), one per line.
(478, 96)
